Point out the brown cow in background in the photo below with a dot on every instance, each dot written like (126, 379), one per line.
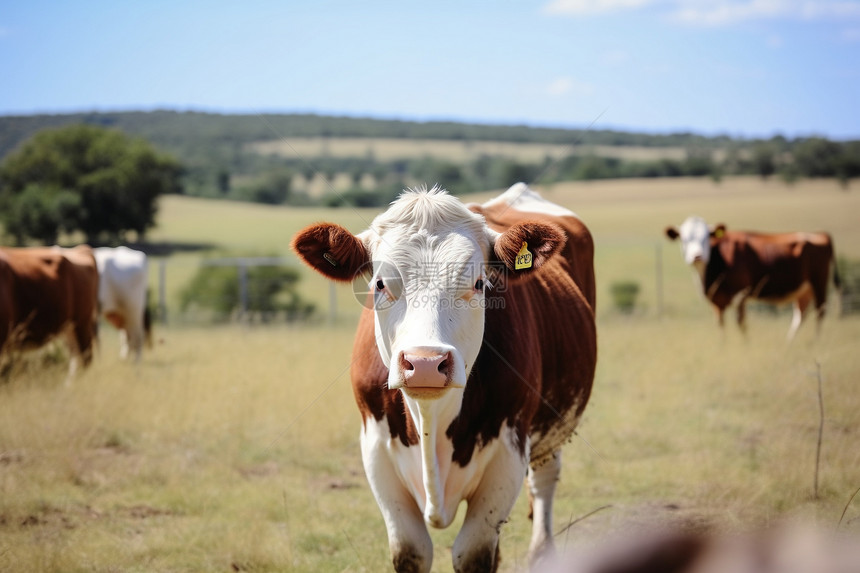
(773, 268)
(48, 292)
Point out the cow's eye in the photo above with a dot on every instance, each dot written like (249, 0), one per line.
(380, 284)
(479, 284)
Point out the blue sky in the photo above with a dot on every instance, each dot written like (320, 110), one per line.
(741, 67)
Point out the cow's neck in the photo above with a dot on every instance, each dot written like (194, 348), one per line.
(432, 418)
(713, 274)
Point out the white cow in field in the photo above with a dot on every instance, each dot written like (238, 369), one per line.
(123, 283)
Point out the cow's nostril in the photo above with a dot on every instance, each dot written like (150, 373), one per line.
(405, 364)
(443, 366)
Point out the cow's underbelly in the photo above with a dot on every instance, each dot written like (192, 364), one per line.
(456, 483)
(543, 444)
(785, 294)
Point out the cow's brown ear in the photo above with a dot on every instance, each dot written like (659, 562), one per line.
(672, 233)
(331, 250)
(718, 231)
(525, 247)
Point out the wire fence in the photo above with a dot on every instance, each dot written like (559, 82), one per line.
(265, 290)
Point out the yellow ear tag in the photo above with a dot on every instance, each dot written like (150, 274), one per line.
(718, 234)
(524, 258)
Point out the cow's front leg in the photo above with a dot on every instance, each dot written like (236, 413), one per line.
(408, 539)
(477, 545)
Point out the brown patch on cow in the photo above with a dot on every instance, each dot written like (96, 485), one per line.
(117, 319)
(370, 385)
(331, 250)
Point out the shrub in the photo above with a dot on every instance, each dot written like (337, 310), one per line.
(271, 290)
(624, 295)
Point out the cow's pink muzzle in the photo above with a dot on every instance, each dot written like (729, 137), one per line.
(426, 368)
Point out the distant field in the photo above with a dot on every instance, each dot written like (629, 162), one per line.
(235, 448)
(627, 218)
(457, 151)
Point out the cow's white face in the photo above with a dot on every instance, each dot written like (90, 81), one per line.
(695, 242)
(428, 287)
(432, 262)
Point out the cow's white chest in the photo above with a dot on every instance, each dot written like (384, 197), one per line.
(437, 498)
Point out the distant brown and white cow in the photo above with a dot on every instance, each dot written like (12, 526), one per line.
(471, 366)
(774, 268)
(46, 292)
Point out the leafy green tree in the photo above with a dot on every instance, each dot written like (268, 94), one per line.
(39, 212)
(764, 160)
(83, 178)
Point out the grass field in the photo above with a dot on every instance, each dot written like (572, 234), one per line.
(236, 449)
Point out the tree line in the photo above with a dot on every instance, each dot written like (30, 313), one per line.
(777, 157)
(103, 181)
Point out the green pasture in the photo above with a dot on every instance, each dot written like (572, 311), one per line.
(235, 448)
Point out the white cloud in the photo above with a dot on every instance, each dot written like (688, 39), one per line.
(585, 7)
(715, 12)
(728, 11)
(565, 85)
(724, 12)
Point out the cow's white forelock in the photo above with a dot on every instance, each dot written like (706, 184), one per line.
(431, 210)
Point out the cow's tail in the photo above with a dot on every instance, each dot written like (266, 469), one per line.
(147, 322)
(837, 280)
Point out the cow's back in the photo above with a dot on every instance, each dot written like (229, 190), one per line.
(542, 342)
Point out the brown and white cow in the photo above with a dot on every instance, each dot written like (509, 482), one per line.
(472, 363)
(46, 292)
(774, 268)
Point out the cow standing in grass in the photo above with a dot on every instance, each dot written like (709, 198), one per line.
(48, 292)
(122, 296)
(472, 363)
(774, 268)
